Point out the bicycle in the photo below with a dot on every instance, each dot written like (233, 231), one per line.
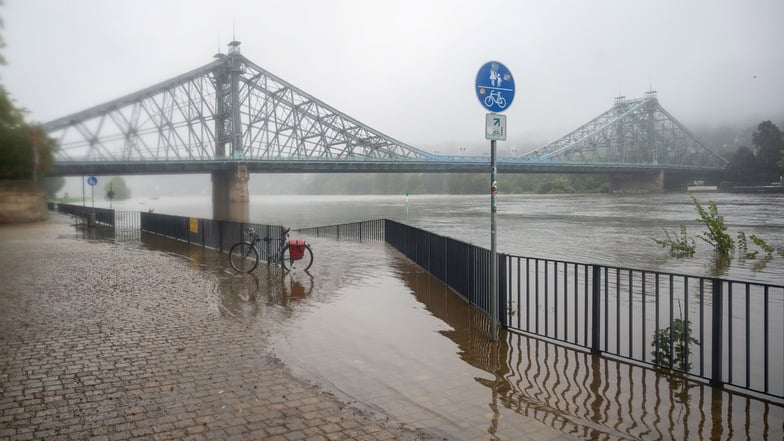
(495, 98)
(294, 255)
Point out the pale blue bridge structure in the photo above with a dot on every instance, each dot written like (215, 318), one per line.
(231, 118)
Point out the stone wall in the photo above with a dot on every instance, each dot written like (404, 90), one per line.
(21, 201)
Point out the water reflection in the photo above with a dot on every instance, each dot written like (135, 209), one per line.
(246, 294)
(587, 396)
(242, 296)
(720, 265)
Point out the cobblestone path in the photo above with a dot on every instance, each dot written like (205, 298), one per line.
(108, 342)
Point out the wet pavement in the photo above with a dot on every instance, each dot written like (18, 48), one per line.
(109, 342)
(172, 344)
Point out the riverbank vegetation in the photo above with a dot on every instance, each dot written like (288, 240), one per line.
(449, 183)
(717, 236)
(761, 164)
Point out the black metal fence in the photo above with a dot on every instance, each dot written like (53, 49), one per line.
(724, 331)
(361, 231)
(81, 213)
(218, 235)
(461, 266)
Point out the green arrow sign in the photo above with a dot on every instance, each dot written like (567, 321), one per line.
(495, 127)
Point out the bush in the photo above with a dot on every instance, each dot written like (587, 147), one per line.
(672, 346)
(717, 235)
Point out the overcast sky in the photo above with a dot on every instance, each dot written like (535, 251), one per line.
(407, 68)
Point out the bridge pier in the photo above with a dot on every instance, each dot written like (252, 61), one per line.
(648, 182)
(230, 196)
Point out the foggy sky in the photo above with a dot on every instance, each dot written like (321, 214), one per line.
(407, 68)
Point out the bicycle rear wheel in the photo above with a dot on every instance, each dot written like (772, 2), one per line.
(243, 257)
(293, 265)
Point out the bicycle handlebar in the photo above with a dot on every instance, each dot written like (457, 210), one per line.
(252, 233)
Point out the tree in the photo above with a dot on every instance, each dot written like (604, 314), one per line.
(769, 142)
(52, 185)
(118, 187)
(24, 148)
(17, 140)
(742, 167)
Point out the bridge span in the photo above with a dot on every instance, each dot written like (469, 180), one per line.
(231, 117)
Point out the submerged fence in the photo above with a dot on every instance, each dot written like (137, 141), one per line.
(724, 331)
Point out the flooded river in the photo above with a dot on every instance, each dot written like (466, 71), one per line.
(603, 229)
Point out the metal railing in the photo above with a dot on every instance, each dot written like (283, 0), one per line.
(461, 266)
(361, 231)
(724, 331)
(218, 235)
(103, 216)
(715, 329)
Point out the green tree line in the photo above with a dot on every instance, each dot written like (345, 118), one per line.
(762, 163)
(449, 183)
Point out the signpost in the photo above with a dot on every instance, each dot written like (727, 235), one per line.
(91, 181)
(495, 89)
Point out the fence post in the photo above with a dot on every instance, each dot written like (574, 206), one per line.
(717, 334)
(502, 291)
(220, 236)
(596, 296)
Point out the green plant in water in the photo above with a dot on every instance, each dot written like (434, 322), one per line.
(672, 346)
(743, 247)
(758, 241)
(680, 246)
(716, 235)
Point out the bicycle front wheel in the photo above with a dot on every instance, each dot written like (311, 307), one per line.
(291, 264)
(243, 257)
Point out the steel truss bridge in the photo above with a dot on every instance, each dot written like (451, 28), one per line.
(232, 112)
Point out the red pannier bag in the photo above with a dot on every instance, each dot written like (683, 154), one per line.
(296, 249)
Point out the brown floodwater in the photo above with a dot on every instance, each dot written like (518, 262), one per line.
(373, 328)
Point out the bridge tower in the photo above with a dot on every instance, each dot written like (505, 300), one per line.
(230, 196)
(642, 146)
(228, 118)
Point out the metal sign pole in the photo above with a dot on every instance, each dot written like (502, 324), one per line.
(495, 90)
(493, 257)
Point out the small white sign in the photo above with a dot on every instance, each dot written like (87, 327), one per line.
(495, 127)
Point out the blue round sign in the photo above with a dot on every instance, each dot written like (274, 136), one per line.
(495, 86)
(92, 180)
